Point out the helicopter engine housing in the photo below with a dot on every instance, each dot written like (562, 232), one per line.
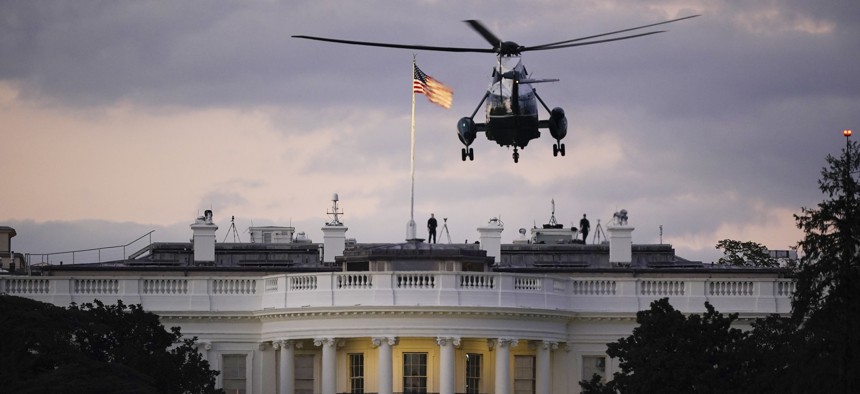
(467, 130)
(557, 123)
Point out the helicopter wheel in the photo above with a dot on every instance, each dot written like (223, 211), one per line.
(516, 157)
(561, 149)
(471, 154)
(463, 154)
(555, 150)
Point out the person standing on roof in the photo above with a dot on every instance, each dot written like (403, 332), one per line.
(584, 226)
(431, 229)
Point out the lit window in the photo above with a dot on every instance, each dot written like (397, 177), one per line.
(233, 369)
(473, 373)
(415, 373)
(356, 372)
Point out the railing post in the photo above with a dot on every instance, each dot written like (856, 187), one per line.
(383, 288)
(765, 296)
(448, 292)
(507, 295)
(697, 295)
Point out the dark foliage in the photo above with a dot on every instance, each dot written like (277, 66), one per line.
(826, 303)
(816, 349)
(95, 348)
(670, 352)
(745, 254)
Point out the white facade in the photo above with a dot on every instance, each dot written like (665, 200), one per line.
(297, 332)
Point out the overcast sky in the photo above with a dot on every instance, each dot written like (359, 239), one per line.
(118, 118)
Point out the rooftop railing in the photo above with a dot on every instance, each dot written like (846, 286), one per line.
(84, 256)
(356, 290)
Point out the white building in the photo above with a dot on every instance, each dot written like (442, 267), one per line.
(277, 317)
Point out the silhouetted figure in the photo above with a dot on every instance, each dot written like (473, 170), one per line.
(431, 229)
(584, 226)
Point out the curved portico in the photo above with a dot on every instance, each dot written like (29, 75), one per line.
(395, 316)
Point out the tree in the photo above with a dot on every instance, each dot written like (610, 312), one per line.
(95, 348)
(826, 303)
(670, 352)
(745, 254)
(815, 349)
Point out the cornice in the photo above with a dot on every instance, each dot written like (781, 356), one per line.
(264, 316)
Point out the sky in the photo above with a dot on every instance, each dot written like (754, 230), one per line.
(118, 119)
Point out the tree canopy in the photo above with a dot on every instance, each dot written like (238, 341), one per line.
(745, 254)
(815, 349)
(95, 348)
(826, 304)
(670, 352)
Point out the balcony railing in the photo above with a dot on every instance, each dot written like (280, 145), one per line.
(345, 290)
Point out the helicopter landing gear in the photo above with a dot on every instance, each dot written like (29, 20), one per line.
(557, 148)
(516, 155)
(464, 153)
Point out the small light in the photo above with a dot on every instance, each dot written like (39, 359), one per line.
(846, 132)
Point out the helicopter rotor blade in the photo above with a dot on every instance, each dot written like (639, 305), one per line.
(577, 44)
(400, 46)
(557, 44)
(486, 33)
(530, 81)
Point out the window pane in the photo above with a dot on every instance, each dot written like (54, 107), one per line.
(356, 372)
(524, 374)
(233, 373)
(473, 373)
(304, 370)
(414, 372)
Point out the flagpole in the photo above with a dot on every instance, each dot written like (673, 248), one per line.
(411, 231)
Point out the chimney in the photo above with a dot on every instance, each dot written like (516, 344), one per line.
(620, 240)
(491, 239)
(203, 239)
(334, 234)
(6, 234)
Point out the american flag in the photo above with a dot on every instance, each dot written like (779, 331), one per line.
(435, 91)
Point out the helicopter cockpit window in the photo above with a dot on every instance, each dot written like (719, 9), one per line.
(499, 100)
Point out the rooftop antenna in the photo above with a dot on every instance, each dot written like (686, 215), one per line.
(232, 230)
(598, 234)
(335, 212)
(445, 229)
(661, 234)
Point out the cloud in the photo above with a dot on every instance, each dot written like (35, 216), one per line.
(147, 112)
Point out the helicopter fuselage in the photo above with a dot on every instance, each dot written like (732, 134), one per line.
(512, 111)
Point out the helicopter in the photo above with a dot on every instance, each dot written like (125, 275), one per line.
(512, 118)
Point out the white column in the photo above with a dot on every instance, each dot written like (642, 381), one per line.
(286, 367)
(447, 370)
(386, 376)
(543, 366)
(329, 364)
(503, 364)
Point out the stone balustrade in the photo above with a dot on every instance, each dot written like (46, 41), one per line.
(343, 290)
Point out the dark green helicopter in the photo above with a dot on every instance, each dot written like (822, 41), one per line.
(511, 101)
